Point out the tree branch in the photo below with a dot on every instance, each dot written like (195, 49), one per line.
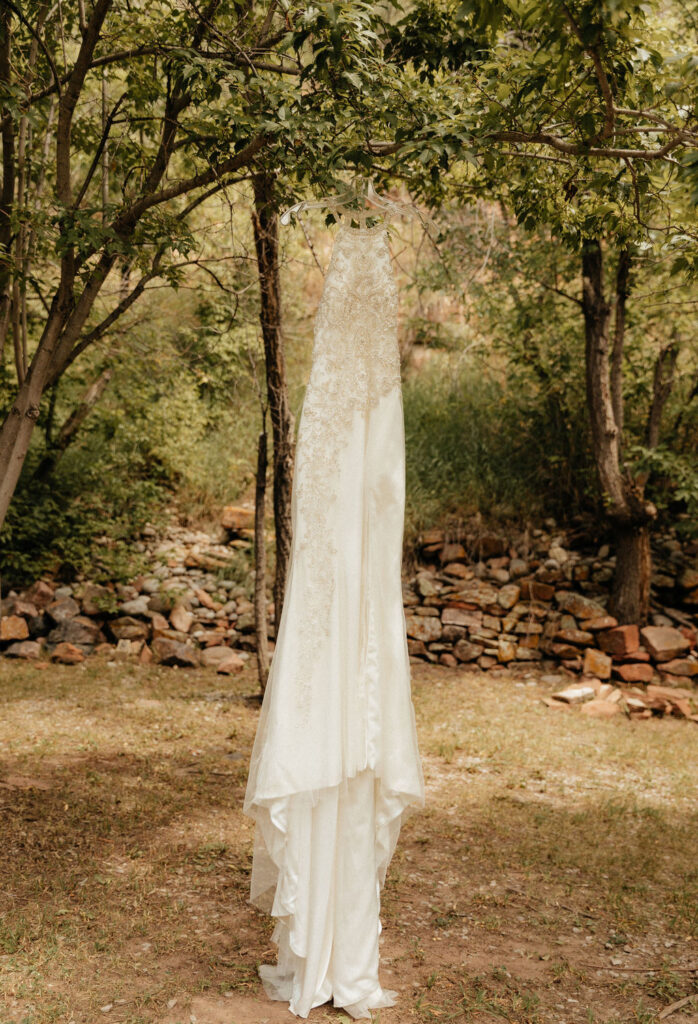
(608, 129)
(622, 278)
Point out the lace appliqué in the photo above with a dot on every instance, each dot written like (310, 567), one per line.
(356, 361)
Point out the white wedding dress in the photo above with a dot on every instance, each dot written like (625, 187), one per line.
(335, 766)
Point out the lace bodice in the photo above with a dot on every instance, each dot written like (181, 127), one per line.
(356, 361)
(356, 320)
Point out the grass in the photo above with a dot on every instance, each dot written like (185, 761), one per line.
(551, 878)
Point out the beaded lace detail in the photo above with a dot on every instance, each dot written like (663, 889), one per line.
(356, 361)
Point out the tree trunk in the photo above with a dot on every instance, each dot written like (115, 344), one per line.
(630, 598)
(7, 191)
(629, 512)
(260, 566)
(72, 424)
(266, 233)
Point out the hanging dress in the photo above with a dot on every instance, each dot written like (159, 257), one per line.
(335, 765)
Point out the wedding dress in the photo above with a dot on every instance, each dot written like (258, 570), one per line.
(335, 766)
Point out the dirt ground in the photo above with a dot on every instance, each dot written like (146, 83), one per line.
(552, 877)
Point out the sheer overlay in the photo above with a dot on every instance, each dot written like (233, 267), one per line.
(335, 765)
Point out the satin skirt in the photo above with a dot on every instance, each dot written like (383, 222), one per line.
(330, 950)
(332, 779)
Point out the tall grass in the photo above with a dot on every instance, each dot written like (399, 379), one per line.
(481, 443)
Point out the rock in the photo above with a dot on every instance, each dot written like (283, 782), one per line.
(664, 642)
(506, 650)
(453, 553)
(564, 651)
(128, 648)
(128, 628)
(24, 649)
(558, 554)
(668, 692)
(213, 656)
(96, 599)
(512, 625)
(158, 622)
(245, 623)
(39, 594)
(425, 586)
(206, 600)
(26, 609)
(466, 651)
(579, 637)
(13, 627)
(62, 609)
(458, 570)
(680, 667)
(600, 708)
(447, 659)
(478, 593)
(526, 650)
(508, 595)
(534, 590)
(486, 661)
(638, 655)
(452, 634)
(137, 606)
(173, 652)
(231, 664)
(163, 602)
(417, 648)
(620, 640)
(423, 627)
(79, 631)
(451, 616)
(578, 605)
(634, 672)
(499, 575)
(575, 694)
(517, 567)
(681, 707)
(181, 618)
(688, 580)
(67, 654)
(596, 663)
(237, 517)
(599, 623)
(491, 545)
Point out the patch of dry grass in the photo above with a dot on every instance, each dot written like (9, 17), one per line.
(551, 878)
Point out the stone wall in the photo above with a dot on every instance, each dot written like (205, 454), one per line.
(476, 598)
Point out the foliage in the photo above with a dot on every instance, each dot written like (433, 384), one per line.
(477, 441)
(555, 111)
(521, 291)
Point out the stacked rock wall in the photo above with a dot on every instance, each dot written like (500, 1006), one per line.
(475, 598)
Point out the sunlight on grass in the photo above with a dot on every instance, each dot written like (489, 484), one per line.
(126, 857)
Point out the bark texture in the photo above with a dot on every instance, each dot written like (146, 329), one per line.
(266, 233)
(630, 513)
(260, 563)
